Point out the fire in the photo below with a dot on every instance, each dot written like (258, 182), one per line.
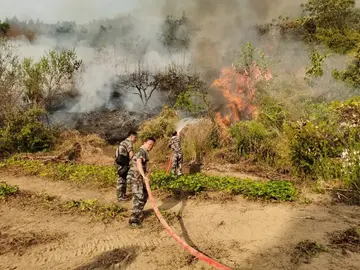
(238, 89)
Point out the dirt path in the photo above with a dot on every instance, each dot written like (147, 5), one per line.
(240, 233)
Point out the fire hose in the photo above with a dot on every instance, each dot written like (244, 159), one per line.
(190, 249)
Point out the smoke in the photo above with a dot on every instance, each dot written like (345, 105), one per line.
(113, 36)
(184, 122)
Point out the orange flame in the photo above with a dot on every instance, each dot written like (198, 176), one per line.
(238, 89)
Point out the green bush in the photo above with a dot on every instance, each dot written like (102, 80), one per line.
(351, 75)
(339, 41)
(319, 143)
(160, 126)
(252, 137)
(272, 190)
(26, 133)
(272, 113)
(7, 190)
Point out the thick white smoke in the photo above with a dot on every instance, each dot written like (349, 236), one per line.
(132, 31)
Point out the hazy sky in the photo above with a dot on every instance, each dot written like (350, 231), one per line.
(58, 10)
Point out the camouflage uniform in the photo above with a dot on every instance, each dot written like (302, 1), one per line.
(139, 192)
(177, 156)
(124, 149)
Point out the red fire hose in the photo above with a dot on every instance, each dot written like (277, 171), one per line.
(191, 250)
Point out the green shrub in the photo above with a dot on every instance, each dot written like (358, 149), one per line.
(26, 133)
(102, 176)
(272, 113)
(351, 75)
(318, 144)
(7, 190)
(339, 41)
(252, 137)
(160, 126)
(272, 190)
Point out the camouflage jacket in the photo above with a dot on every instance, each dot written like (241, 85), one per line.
(125, 147)
(143, 154)
(175, 144)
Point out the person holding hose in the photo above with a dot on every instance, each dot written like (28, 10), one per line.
(137, 177)
(177, 155)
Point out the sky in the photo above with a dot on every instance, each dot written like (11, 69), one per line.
(52, 11)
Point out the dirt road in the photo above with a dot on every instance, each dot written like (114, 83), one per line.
(239, 233)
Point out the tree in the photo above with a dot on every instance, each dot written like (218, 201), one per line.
(176, 80)
(351, 76)
(4, 28)
(47, 81)
(177, 33)
(171, 82)
(9, 79)
(315, 70)
(142, 81)
(330, 13)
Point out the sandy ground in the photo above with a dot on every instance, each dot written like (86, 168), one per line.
(239, 233)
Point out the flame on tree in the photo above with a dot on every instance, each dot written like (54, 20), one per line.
(237, 86)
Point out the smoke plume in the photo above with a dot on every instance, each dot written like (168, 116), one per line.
(113, 36)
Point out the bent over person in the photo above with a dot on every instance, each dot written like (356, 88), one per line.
(137, 177)
(177, 156)
(123, 155)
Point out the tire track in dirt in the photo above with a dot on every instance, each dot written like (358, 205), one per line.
(60, 252)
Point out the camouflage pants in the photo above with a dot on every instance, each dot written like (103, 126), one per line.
(140, 197)
(121, 181)
(176, 163)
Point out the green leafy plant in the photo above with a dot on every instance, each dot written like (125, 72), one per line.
(326, 144)
(350, 76)
(252, 137)
(7, 190)
(315, 70)
(26, 132)
(190, 101)
(272, 190)
(49, 80)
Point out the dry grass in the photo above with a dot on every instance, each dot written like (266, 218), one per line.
(85, 149)
(306, 250)
(161, 152)
(195, 139)
(348, 240)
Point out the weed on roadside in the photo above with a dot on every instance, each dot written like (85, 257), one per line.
(348, 240)
(104, 212)
(91, 207)
(7, 190)
(305, 251)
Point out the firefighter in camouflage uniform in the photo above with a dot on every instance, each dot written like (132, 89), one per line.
(137, 177)
(177, 155)
(123, 156)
